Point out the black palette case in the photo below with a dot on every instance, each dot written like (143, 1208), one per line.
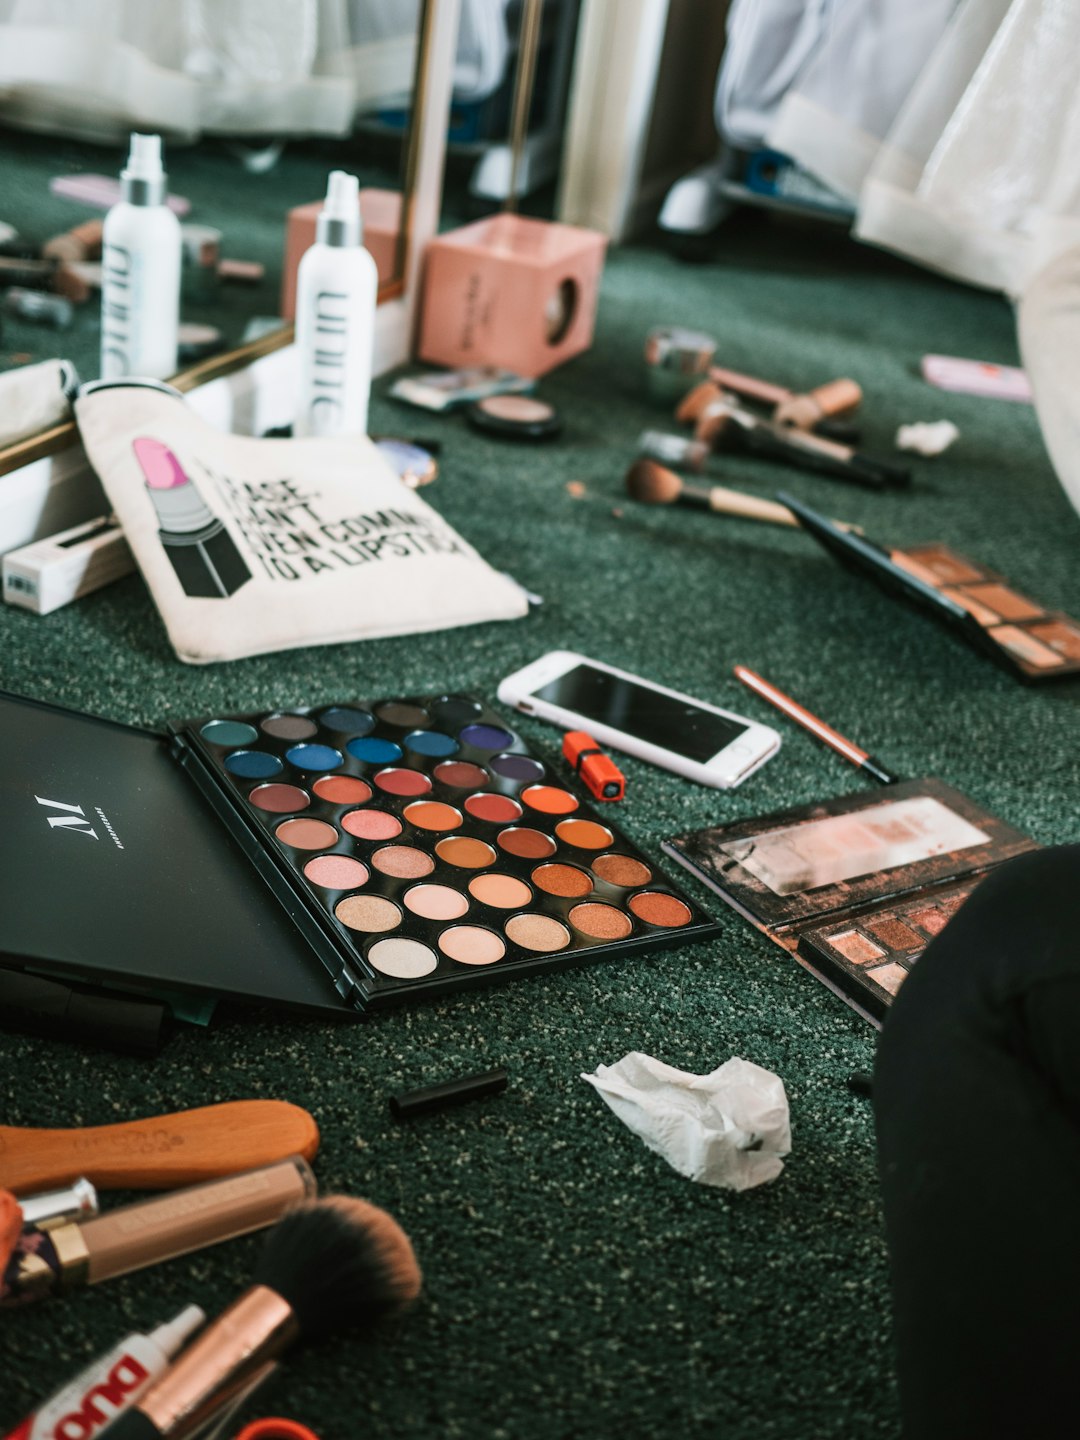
(119, 869)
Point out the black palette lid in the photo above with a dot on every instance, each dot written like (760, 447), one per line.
(116, 869)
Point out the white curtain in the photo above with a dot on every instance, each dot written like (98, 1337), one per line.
(865, 57)
(956, 131)
(99, 68)
(958, 137)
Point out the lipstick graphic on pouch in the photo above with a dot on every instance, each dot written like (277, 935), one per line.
(202, 552)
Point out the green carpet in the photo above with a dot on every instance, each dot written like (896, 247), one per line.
(575, 1285)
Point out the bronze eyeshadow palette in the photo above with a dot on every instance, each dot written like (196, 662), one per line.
(419, 846)
(1023, 636)
(856, 887)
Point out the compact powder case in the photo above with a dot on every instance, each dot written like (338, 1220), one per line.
(515, 417)
(421, 848)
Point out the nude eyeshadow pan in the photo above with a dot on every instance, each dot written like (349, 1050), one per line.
(422, 848)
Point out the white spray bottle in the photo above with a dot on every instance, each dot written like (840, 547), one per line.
(140, 289)
(336, 290)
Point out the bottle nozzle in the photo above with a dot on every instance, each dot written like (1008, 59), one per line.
(342, 195)
(142, 179)
(339, 219)
(144, 157)
(174, 1335)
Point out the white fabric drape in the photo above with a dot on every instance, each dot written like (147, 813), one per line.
(866, 56)
(959, 138)
(980, 177)
(99, 68)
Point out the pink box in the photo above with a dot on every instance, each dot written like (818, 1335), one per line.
(380, 214)
(512, 292)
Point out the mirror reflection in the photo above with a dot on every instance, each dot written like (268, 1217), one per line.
(254, 105)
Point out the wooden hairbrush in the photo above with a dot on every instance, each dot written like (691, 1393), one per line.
(159, 1152)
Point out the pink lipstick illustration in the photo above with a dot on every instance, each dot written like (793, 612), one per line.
(203, 553)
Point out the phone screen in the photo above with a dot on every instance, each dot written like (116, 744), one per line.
(638, 710)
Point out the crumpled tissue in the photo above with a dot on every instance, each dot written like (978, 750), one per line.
(729, 1128)
(927, 437)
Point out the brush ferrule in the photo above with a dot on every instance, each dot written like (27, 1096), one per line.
(252, 1332)
(695, 495)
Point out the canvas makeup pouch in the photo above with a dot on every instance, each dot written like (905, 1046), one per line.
(249, 546)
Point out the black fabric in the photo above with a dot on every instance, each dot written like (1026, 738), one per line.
(977, 1104)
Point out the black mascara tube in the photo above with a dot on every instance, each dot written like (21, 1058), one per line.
(99, 1017)
(407, 1103)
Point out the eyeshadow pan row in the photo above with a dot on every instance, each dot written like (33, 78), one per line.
(878, 950)
(1041, 640)
(431, 845)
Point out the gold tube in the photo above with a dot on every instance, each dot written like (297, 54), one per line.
(244, 1339)
(528, 52)
(184, 1220)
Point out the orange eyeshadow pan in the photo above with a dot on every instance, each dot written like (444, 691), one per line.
(549, 800)
(940, 562)
(1062, 637)
(1007, 603)
(657, 909)
(566, 880)
(1022, 643)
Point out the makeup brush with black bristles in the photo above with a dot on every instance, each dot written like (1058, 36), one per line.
(655, 484)
(327, 1265)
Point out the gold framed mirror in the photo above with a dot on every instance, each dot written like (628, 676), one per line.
(420, 149)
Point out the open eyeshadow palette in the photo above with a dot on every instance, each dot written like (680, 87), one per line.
(858, 886)
(1022, 635)
(419, 847)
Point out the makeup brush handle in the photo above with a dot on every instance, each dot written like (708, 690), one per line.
(161, 1151)
(750, 507)
(837, 397)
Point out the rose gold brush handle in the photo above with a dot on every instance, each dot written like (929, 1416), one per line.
(837, 397)
(160, 1152)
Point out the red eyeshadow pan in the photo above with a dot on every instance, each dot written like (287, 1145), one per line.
(461, 774)
(279, 799)
(403, 782)
(498, 809)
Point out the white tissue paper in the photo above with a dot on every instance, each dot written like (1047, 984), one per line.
(729, 1128)
(927, 437)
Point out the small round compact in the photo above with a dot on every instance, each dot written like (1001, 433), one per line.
(515, 417)
(413, 465)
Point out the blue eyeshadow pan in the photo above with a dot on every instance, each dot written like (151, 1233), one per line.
(252, 764)
(228, 732)
(374, 751)
(348, 721)
(431, 742)
(314, 757)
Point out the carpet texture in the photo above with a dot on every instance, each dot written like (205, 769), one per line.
(575, 1285)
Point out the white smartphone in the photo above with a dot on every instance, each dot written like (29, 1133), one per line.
(674, 731)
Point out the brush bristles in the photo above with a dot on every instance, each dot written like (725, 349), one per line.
(339, 1262)
(652, 483)
(697, 400)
